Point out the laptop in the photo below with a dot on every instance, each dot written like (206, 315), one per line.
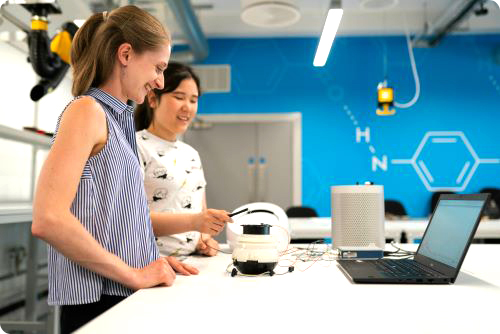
(440, 254)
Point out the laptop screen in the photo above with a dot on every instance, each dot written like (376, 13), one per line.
(449, 230)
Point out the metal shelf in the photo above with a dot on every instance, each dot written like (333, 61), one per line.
(24, 136)
(15, 213)
(11, 213)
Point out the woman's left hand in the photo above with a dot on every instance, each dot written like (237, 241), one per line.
(207, 245)
(181, 267)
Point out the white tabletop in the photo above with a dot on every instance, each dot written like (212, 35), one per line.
(318, 299)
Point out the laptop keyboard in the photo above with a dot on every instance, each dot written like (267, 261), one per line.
(406, 268)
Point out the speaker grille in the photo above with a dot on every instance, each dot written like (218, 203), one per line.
(357, 220)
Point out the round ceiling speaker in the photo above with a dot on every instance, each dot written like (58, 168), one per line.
(378, 5)
(270, 14)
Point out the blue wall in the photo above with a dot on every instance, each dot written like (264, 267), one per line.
(460, 91)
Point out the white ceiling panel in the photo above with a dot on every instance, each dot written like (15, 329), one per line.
(222, 18)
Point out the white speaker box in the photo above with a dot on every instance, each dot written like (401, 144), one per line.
(358, 216)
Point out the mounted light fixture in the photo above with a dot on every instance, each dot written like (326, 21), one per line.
(270, 14)
(497, 2)
(385, 98)
(330, 28)
(385, 94)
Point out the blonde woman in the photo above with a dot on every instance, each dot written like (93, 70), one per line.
(90, 205)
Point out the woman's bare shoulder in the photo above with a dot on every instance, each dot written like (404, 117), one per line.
(86, 104)
(85, 115)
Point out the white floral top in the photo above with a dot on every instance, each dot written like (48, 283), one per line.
(174, 182)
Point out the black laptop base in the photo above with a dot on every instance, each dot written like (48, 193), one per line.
(358, 272)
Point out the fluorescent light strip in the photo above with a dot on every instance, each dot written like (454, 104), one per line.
(327, 36)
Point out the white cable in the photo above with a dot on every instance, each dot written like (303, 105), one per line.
(415, 76)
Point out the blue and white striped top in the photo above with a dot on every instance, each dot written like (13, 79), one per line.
(111, 204)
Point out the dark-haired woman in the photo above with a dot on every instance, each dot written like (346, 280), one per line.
(173, 174)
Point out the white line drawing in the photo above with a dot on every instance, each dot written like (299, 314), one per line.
(421, 168)
(445, 137)
(444, 140)
(462, 173)
(426, 171)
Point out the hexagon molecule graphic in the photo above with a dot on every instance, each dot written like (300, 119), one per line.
(445, 160)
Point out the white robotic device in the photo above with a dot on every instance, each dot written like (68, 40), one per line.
(259, 233)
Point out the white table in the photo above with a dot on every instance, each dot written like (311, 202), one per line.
(320, 299)
(318, 228)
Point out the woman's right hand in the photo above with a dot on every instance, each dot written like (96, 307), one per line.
(211, 221)
(156, 273)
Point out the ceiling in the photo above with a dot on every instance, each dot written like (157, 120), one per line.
(222, 18)
(361, 17)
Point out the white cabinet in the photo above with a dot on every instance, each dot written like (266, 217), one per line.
(249, 158)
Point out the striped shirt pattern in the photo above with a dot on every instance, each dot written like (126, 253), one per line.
(111, 204)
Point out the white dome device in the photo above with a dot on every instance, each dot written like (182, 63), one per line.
(256, 252)
(257, 236)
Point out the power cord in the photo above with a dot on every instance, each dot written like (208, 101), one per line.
(399, 252)
(415, 75)
(235, 272)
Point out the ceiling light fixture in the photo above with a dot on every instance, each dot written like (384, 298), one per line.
(330, 28)
(378, 5)
(270, 14)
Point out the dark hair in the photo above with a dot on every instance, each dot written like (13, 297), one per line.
(173, 75)
(93, 50)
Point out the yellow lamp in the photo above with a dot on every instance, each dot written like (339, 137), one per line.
(385, 97)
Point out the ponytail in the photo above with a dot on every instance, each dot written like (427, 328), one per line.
(83, 56)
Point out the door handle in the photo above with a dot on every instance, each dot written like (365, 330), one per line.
(251, 166)
(262, 180)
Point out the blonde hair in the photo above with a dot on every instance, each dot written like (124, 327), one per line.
(94, 47)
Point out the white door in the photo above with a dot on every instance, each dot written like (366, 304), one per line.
(225, 150)
(274, 168)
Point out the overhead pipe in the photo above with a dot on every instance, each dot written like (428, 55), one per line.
(189, 24)
(447, 26)
(453, 22)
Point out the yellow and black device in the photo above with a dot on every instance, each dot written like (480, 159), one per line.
(49, 59)
(385, 98)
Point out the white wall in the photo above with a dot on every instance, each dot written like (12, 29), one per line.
(16, 159)
(16, 80)
(16, 111)
(16, 108)
(53, 104)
